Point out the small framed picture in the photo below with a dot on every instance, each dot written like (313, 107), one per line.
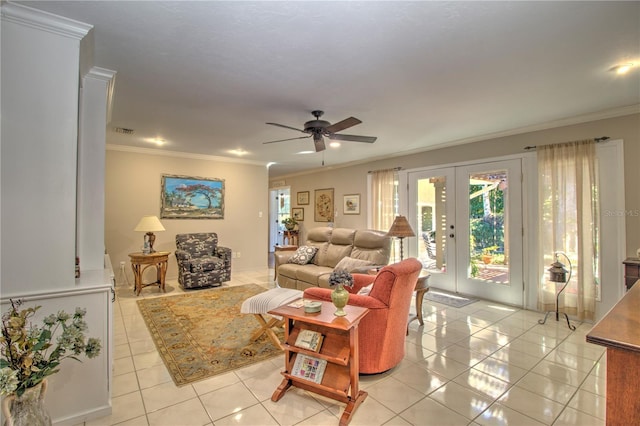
(351, 204)
(297, 213)
(303, 198)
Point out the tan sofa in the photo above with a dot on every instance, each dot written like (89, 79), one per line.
(333, 245)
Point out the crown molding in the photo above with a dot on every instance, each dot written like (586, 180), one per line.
(163, 153)
(38, 19)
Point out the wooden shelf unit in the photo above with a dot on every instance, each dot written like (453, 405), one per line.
(631, 271)
(339, 348)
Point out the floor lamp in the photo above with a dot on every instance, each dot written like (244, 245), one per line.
(400, 229)
(558, 274)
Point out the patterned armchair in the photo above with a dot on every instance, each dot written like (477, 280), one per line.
(201, 262)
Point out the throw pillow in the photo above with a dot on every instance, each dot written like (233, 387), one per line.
(366, 290)
(349, 264)
(303, 255)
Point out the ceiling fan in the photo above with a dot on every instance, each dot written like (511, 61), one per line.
(318, 129)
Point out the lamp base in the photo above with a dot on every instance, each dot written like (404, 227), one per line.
(542, 321)
(152, 239)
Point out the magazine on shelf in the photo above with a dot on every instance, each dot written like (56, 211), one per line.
(309, 368)
(309, 339)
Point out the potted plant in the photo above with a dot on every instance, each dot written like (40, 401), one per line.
(28, 354)
(487, 254)
(290, 223)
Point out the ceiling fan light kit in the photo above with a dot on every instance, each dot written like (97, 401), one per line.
(319, 129)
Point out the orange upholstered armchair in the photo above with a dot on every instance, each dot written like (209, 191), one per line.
(382, 332)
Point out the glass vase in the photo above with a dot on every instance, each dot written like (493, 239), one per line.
(339, 297)
(27, 409)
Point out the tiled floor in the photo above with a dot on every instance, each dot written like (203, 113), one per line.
(481, 364)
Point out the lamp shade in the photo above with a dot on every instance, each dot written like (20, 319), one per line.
(149, 224)
(401, 228)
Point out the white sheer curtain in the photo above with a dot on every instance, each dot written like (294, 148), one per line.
(383, 198)
(569, 222)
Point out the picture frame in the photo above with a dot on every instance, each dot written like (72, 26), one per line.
(303, 198)
(351, 204)
(191, 197)
(297, 213)
(323, 205)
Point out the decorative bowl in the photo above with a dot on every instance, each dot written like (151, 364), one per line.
(312, 307)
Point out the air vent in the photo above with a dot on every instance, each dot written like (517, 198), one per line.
(123, 130)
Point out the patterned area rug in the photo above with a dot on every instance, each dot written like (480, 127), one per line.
(202, 333)
(449, 299)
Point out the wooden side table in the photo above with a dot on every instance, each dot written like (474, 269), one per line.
(140, 262)
(339, 349)
(290, 238)
(631, 271)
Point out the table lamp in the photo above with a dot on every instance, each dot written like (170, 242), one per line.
(400, 229)
(558, 274)
(149, 224)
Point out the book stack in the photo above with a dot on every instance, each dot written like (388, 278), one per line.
(310, 340)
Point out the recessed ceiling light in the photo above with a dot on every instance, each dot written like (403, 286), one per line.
(239, 152)
(623, 68)
(334, 144)
(157, 141)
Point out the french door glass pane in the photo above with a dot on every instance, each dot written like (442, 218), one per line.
(432, 223)
(488, 227)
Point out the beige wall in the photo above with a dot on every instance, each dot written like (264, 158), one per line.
(353, 179)
(132, 190)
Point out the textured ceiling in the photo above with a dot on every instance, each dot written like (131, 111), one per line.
(206, 76)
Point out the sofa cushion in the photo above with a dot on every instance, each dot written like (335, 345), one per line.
(349, 264)
(206, 264)
(303, 255)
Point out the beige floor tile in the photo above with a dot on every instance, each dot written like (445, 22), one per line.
(595, 384)
(544, 386)
(251, 416)
(371, 412)
(263, 386)
(228, 400)
(416, 353)
(322, 418)
(559, 372)
(530, 348)
(573, 417)
(586, 350)
(493, 336)
(502, 370)
(571, 360)
(142, 346)
(394, 394)
(501, 415)
(126, 407)
(124, 383)
(152, 376)
(463, 355)
(541, 339)
(530, 404)
(480, 346)
(590, 403)
(461, 399)
(123, 366)
(165, 395)
(429, 409)
(445, 367)
(423, 380)
(216, 382)
(482, 383)
(294, 406)
(186, 413)
(513, 357)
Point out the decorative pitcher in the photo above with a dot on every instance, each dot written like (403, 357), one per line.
(27, 409)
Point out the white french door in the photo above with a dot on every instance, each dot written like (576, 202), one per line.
(468, 220)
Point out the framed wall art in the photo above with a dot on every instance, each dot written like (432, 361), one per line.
(187, 197)
(351, 204)
(297, 213)
(323, 205)
(303, 198)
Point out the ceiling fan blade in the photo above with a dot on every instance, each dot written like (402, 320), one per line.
(341, 125)
(286, 127)
(290, 139)
(318, 141)
(353, 138)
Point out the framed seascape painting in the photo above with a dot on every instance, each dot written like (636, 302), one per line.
(187, 197)
(303, 198)
(323, 205)
(297, 213)
(351, 204)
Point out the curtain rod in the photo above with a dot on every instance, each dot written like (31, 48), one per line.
(384, 170)
(600, 139)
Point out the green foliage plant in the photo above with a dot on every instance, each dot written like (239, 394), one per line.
(28, 353)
